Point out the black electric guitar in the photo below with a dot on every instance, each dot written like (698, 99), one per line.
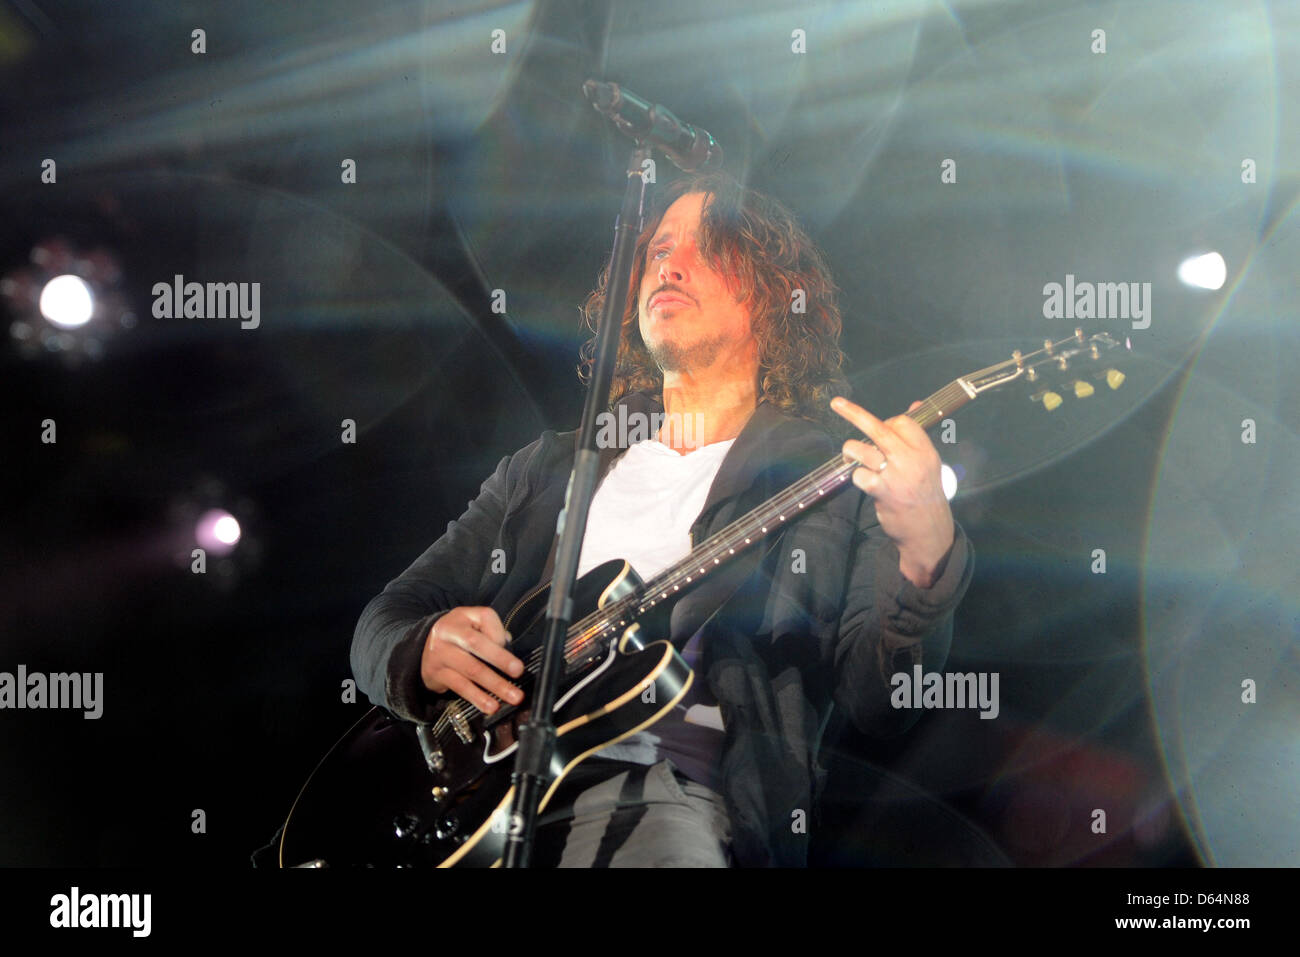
(394, 794)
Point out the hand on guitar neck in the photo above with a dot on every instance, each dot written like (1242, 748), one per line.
(902, 474)
(454, 654)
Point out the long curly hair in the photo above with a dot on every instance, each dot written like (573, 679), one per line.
(756, 243)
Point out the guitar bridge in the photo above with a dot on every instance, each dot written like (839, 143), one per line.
(459, 724)
(433, 756)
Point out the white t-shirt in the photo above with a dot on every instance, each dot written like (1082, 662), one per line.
(644, 509)
(643, 512)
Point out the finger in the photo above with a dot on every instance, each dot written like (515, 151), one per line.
(908, 429)
(866, 479)
(486, 620)
(466, 662)
(895, 434)
(484, 678)
(879, 433)
(871, 478)
(481, 644)
(487, 679)
(868, 455)
(483, 647)
(471, 692)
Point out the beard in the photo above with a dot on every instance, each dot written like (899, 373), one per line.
(671, 356)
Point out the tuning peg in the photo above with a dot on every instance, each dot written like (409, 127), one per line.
(1114, 378)
(1051, 401)
(1082, 389)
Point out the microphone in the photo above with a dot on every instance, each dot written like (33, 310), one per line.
(689, 147)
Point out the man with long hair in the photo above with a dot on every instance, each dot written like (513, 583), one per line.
(730, 343)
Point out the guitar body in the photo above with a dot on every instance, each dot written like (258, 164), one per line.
(375, 801)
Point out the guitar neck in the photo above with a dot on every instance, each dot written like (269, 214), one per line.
(777, 510)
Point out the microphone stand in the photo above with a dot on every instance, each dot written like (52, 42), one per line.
(537, 736)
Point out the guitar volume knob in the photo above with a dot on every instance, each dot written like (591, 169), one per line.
(406, 827)
(447, 827)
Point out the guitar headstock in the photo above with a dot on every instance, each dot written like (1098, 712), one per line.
(1075, 365)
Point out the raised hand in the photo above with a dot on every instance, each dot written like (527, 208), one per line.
(901, 473)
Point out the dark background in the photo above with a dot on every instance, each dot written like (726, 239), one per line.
(479, 171)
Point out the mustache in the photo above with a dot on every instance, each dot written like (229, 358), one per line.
(674, 290)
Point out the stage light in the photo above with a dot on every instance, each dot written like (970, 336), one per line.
(949, 479)
(1204, 272)
(226, 529)
(66, 301)
(217, 531)
(52, 300)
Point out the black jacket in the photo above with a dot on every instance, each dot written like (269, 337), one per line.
(799, 631)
